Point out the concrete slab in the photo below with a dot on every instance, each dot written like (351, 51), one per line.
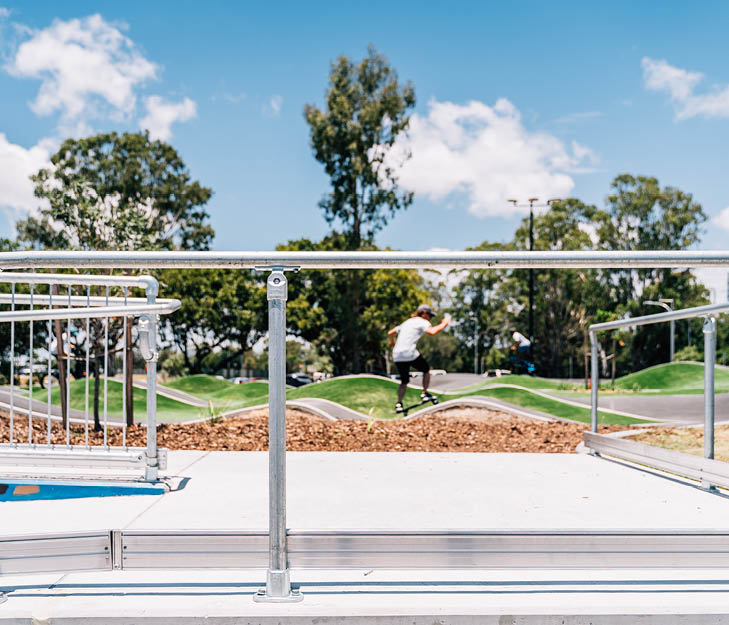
(381, 597)
(228, 490)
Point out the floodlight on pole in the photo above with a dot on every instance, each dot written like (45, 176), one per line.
(667, 303)
(532, 206)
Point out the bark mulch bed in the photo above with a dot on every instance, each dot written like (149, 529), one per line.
(472, 430)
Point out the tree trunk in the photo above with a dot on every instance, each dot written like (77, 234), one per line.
(61, 368)
(356, 356)
(130, 374)
(586, 359)
(97, 366)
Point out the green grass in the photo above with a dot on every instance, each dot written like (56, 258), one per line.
(525, 399)
(370, 396)
(527, 381)
(678, 378)
(222, 393)
(167, 409)
(376, 398)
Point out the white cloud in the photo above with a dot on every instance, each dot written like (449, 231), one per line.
(87, 67)
(722, 219)
(16, 165)
(275, 104)
(161, 115)
(486, 154)
(716, 279)
(4, 12)
(658, 75)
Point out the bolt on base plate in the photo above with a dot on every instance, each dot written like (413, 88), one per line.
(293, 597)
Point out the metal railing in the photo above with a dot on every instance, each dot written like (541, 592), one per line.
(278, 586)
(708, 312)
(76, 313)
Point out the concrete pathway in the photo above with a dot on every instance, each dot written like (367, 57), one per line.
(228, 490)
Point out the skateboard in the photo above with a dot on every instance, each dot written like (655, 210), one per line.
(404, 412)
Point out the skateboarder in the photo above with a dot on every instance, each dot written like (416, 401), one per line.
(522, 347)
(405, 353)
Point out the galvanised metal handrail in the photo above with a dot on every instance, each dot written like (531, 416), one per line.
(367, 260)
(708, 312)
(85, 307)
(278, 586)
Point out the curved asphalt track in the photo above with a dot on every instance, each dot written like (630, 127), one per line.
(672, 409)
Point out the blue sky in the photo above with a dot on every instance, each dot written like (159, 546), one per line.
(541, 100)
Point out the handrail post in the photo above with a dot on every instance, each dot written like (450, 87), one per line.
(148, 325)
(595, 380)
(278, 580)
(709, 366)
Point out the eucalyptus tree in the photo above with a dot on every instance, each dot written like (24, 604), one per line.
(366, 110)
(116, 192)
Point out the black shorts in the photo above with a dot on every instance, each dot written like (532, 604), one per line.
(403, 368)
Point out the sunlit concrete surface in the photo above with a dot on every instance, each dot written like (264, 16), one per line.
(229, 490)
(345, 490)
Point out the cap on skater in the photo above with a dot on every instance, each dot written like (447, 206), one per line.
(426, 309)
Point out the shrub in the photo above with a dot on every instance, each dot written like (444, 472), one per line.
(690, 352)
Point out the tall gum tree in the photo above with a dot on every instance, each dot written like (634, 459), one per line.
(366, 109)
(116, 192)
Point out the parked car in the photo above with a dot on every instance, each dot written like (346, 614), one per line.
(298, 379)
(239, 380)
(496, 373)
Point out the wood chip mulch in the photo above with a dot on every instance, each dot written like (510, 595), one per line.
(471, 430)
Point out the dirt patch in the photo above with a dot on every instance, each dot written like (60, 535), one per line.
(457, 429)
(689, 440)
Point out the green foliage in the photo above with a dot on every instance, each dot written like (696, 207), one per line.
(172, 363)
(366, 109)
(322, 309)
(674, 378)
(221, 310)
(480, 306)
(688, 353)
(117, 192)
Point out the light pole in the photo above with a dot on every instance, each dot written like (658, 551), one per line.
(474, 316)
(667, 303)
(532, 206)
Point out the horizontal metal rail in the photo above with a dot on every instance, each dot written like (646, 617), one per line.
(162, 307)
(75, 279)
(704, 470)
(25, 455)
(674, 315)
(75, 300)
(366, 260)
(76, 551)
(353, 549)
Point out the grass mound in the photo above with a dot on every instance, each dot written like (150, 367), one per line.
(222, 393)
(527, 381)
(167, 409)
(675, 377)
(376, 398)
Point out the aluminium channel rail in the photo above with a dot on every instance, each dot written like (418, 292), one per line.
(278, 585)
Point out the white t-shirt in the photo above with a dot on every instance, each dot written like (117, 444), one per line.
(523, 341)
(408, 334)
